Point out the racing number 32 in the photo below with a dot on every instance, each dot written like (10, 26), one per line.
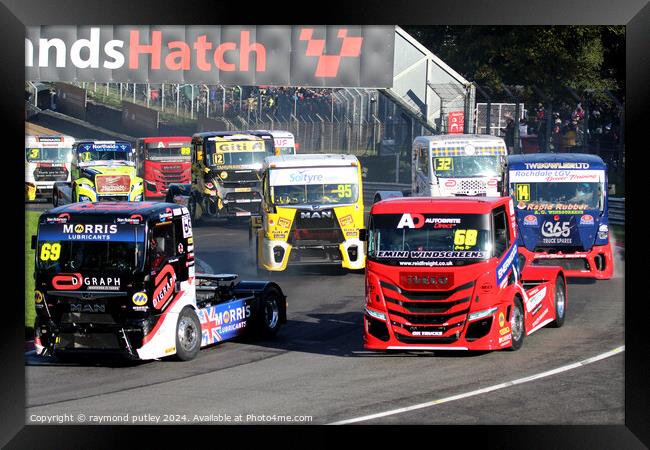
(443, 164)
(50, 252)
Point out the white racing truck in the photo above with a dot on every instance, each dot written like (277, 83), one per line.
(47, 160)
(456, 165)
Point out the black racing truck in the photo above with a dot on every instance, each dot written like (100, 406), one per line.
(119, 278)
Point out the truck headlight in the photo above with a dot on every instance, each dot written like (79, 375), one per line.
(481, 314)
(376, 314)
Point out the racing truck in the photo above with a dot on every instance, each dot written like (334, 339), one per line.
(312, 212)
(100, 171)
(47, 160)
(445, 273)
(118, 278)
(226, 173)
(162, 161)
(456, 165)
(562, 212)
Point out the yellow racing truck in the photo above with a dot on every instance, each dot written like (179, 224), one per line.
(100, 171)
(226, 174)
(312, 211)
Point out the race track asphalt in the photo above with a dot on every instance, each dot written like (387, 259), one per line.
(316, 365)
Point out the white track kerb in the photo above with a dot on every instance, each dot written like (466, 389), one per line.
(486, 389)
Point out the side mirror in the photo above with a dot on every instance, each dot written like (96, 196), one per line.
(33, 242)
(363, 234)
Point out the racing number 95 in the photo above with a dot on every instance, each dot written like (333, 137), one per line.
(343, 191)
(50, 252)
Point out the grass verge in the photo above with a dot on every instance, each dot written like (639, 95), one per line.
(31, 222)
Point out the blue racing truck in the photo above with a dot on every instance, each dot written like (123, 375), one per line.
(561, 211)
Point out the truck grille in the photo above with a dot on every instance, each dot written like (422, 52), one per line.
(473, 185)
(427, 316)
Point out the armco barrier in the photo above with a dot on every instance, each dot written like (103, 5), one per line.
(617, 210)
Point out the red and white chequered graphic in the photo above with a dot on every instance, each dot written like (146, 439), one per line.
(328, 65)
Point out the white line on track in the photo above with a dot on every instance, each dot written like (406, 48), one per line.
(484, 390)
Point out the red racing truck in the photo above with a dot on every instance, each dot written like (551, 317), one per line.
(445, 273)
(163, 160)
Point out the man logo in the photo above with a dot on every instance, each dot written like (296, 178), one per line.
(316, 215)
(78, 228)
(411, 221)
(139, 299)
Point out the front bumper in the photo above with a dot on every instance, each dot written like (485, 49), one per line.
(596, 263)
(275, 255)
(480, 334)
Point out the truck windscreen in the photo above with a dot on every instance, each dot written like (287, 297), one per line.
(60, 154)
(235, 153)
(165, 153)
(315, 194)
(466, 166)
(105, 155)
(429, 240)
(91, 247)
(578, 196)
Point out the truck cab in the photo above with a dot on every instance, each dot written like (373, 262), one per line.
(226, 174)
(162, 161)
(47, 160)
(562, 213)
(119, 278)
(445, 273)
(100, 171)
(456, 165)
(312, 212)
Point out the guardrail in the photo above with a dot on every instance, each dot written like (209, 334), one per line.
(616, 210)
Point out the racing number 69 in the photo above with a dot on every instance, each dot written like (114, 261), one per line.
(50, 251)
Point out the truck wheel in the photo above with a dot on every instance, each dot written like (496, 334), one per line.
(268, 322)
(560, 303)
(188, 335)
(55, 197)
(517, 325)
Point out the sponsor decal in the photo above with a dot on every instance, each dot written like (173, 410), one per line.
(88, 307)
(430, 254)
(127, 220)
(530, 220)
(316, 214)
(557, 165)
(502, 319)
(180, 247)
(223, 321)
(140, 298)
(539, 319)
(535, 297)
(87, 232)
(507, 263)
(411, 221)
(61, 218)
(67, 281)
(164, 283)
(556, 229)
(112, 184)
(141, 308)
(346, 220)
(587, 219)
(426, 281)
(170, 350)
(504, 330)
(505, 339)
(38, 296)
(426, 333)
(177, 211)
(450, 183)
(187, 228)
(102, 283)
(284, 223)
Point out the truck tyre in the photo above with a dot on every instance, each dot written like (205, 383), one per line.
(268, 322)
(188, 335)
(55, 197)
(517, 325)
(560, 303)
